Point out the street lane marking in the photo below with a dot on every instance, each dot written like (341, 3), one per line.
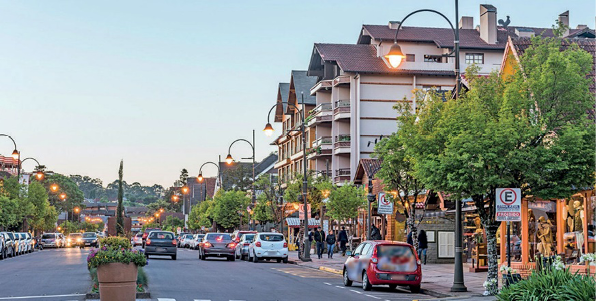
(372, 296)
(327, 283)
(165, 299)
(339, 286)
(202, 300)
(47, 296)
(355, 291)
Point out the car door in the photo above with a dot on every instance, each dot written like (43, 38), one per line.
(352, 265)
(365, 258)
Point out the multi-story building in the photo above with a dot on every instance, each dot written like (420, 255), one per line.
(294, 99)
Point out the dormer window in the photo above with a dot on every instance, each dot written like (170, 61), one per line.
(433, 58)
(474, 58)
(410, 57)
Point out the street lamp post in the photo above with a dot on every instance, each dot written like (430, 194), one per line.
(15, 155)
(395, 57)
(269, 131)
(230, 160)
(200, 177)
(39, 175)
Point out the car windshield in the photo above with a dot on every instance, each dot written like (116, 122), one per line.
(161, 235)
(271, 237)
(89, 235)
(396, 258)
(222, 236)
(188, 236)
(48, 236)
(248, 237)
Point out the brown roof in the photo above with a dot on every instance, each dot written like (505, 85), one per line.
(589, 45)
(366, 167)
(363, 58)
(442, 37)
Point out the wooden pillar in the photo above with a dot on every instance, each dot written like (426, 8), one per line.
(525, 250)
(560, 221)
(586, 196)
(503, 240)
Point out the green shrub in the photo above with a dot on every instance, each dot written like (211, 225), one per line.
(547, 285)
(115, 242)
(106, 255)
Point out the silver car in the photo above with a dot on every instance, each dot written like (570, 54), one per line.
(242, 246)
(196, 240)
(51, 240)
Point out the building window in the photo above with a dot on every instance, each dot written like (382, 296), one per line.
(410, 57)
(446, 245)
(474, 58)
(433, 58)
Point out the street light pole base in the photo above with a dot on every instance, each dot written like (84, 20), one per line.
(459, 287)
(305, 259)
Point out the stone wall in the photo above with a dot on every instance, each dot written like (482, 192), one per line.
(436, 224)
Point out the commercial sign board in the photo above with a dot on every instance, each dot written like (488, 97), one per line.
(301, 211)
(508, 204)
(385, 205)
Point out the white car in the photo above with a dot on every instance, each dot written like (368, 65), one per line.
(137, 240)
(186, 240)
(196, 240)
(268, 245)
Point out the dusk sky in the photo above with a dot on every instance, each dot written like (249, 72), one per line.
(167, 85)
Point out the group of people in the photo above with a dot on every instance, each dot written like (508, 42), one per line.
(320, 239)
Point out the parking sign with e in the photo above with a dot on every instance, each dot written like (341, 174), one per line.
(508, 204)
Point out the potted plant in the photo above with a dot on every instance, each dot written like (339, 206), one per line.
(510, 276)
(590, 261)
(117, 267)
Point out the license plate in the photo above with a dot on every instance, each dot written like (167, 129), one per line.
(87, 243)
(398, 277)
(271, 252)
(160, 249)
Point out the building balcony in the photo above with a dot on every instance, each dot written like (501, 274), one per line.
(321, 113)
(341, 109)
(316, 152)
(322, 173)
(342, 144)
(282, 162)
(297, 155)
(342, 175)
(324, 141)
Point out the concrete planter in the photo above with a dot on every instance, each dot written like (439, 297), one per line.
(117, 281)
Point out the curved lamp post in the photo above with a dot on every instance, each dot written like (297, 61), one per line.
(200, 178)
(269, 131)
(395, 57)
(39, 175)
(230, 160)
(15, 155)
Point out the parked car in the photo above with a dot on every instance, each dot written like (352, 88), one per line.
(137, 240)
(20, 242)
(377, 262)
(9, 244)
(196, 240)
(268, 245)
(2, 246)
(75, 240)
(50, 240)
(217, 245)
(186, 240)
(146, 233)
(179, 239)
(237, 235)
(28, 241)
(161, 243)
(242, 246)
(90, 239)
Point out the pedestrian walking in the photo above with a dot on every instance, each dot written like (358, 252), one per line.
(422, 245)
(343, 239)
(319, 241)
(375, 233)
(330, 240)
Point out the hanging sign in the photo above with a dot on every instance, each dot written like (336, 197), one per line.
(301, 211)
(385, 205)
(508, 204)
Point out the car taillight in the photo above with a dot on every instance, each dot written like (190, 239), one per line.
(285, 244)
(207, 245)
(246, 244)
(148, 242)
(258, 244)
(174, 242)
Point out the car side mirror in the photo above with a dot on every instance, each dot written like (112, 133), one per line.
(349, 253)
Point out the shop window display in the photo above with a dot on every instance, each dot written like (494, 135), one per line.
(541, 229)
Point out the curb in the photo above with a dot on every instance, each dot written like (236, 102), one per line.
(434, 293)
(330, 270)
(146, 295)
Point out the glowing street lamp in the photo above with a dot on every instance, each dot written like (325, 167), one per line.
(229, 159)
(161, 210)
(39, 175)
(77, 209)
(63, 196)
(200, 177)
(15, 154)
(395, 56)
(54, 187)
(175, 198)
(268, 129)
(185, 189)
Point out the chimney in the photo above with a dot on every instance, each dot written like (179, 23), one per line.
(582, 26)
(466, 22)
(488, 23)
(393, 24)
(524, 32)
(564, 19)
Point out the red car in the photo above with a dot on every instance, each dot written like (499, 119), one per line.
(380, 262)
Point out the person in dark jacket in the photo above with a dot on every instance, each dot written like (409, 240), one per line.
(330, 240)
(343, 239)
(422, 245)
(319, 241)
(409, 239)
(375, 233)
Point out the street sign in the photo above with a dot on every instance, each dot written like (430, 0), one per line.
(301, 211)
(508, 204)
(385, 204)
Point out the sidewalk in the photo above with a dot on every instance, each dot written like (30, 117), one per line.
(436, 278)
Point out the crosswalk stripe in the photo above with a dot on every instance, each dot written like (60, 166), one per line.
(202, 300)
(165, 299)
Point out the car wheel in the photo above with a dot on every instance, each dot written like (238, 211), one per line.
(279, 260)
(173, 257)
(415, 288)
(233, 258)
(347, 281)
(365, 283)
(392, 286)
(285, 260)
(254, 258)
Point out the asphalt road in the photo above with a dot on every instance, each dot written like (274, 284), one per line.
(51, 274)
(190, 279)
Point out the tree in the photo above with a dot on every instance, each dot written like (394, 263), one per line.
(529, 130)
(37, 196)
(293, 192)
(237, 176)
(263, 211)
(344, 202)
(172, 223)
(74, 195)
(228, 204)
(183, 177)
(120, 208)
(9, 216)
(397, 167)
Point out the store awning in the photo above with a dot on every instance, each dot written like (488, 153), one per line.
(294, 222)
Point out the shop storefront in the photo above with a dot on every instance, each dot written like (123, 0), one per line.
(552, 227)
